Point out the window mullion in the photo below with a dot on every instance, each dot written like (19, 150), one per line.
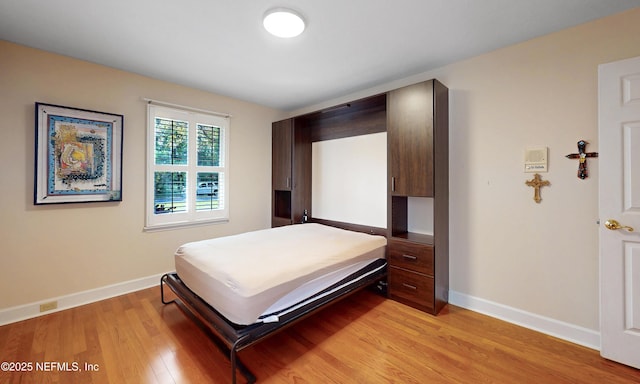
(191, 161)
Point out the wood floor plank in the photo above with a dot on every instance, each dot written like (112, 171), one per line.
(365, 338)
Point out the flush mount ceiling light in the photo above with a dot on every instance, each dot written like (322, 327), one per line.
(283, 22)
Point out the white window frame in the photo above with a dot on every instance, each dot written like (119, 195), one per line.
(191, 216)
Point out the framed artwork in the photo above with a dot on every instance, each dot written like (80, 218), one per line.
(78, 155)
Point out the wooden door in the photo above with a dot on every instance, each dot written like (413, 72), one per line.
(282, 154)
(619, 195)
(410, 140)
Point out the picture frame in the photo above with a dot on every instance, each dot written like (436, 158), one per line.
(78, 155)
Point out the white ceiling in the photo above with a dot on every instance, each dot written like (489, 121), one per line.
(349, 45)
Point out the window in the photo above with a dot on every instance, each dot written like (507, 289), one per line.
(187, 167)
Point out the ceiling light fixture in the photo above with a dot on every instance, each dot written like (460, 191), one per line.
(283, 22)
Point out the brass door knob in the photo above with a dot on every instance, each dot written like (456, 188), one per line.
(613, 225)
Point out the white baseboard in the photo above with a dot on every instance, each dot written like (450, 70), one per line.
(569, 332)
(27, 311)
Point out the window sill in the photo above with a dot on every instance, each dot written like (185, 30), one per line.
(168, 227)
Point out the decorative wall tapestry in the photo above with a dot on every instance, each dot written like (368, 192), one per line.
(78, 155)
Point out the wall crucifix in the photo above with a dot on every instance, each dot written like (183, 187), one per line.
(537, 183)
(583, 173)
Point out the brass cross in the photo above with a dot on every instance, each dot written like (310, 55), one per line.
(536, 183)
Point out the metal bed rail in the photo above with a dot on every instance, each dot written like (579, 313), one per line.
(231, 339)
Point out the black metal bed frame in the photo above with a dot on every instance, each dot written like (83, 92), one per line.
(231, 338)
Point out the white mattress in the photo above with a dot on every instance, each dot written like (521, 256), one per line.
(245, 276)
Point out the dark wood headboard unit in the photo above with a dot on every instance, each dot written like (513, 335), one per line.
(291, 150)
(416, 121)
(352, 227)
(360, 117)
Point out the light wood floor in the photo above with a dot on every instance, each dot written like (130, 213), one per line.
(362, 339)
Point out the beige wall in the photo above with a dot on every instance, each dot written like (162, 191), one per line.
(505, 248)
(541, 258)
(50, 251)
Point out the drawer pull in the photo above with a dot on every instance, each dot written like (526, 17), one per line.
(412, 287)
(410, 257)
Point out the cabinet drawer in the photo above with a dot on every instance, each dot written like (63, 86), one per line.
(412, 256)
(411, 288)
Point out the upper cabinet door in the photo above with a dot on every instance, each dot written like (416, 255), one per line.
(282, 134)
(410, 140)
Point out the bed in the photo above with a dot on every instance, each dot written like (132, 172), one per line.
(242, 288)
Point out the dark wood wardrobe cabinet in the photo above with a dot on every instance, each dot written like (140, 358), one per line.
(418, 167)
(410, 140)
(282, 154)
(291, 172)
